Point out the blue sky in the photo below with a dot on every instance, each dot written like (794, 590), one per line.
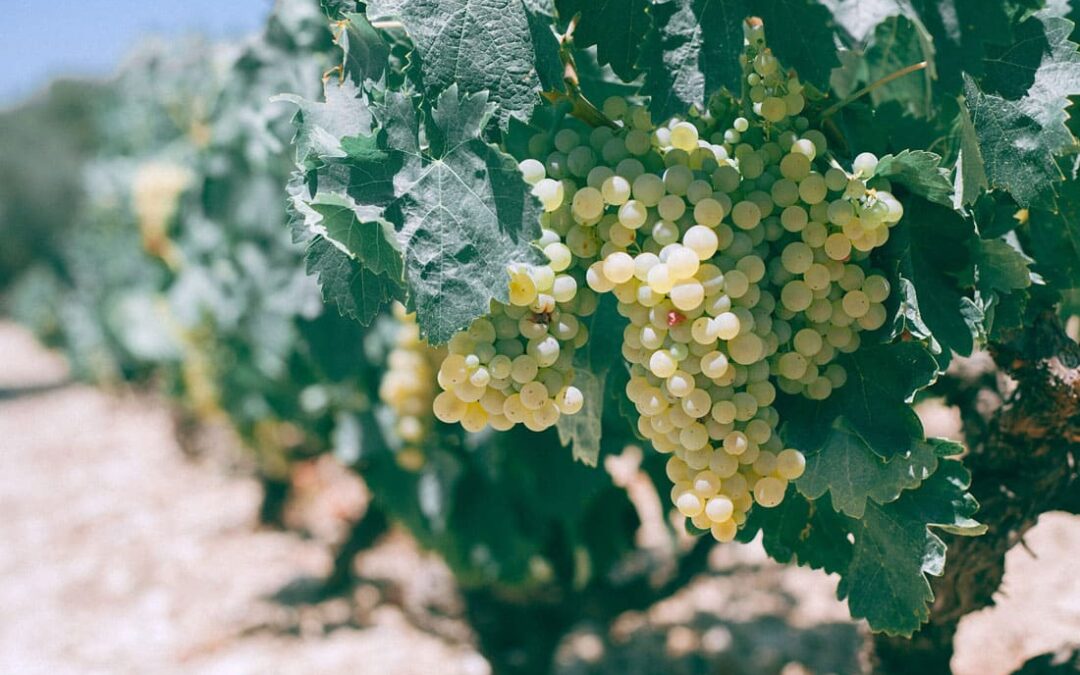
(41, 39)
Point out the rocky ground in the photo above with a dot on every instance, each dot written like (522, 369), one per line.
(121, 554)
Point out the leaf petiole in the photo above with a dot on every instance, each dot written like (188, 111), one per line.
(833, 109)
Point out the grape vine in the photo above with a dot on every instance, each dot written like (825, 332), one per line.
(595, 225)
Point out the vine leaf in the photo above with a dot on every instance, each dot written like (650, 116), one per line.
(860, 19)
(884, 557)
(963, 30)
(478, 45)
(1018, 110)
(371, 241)
(805, 36)
(1055, 238)
(1003, 266)
(358, 292)
(365, 54)
(812, 533)
(852, 473)
(931, 247)
(462, 211)
(549, 65)
(881, 379)
(920, 172)
(616, 27)
(1017, 156)
(971, 180)
(592, 366)
(320, 125)
(899, 42)
(691, 52)
(1039, 67)
(895, 550)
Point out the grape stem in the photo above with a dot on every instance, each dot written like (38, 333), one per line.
(387, 25)
(833, 109)
(583, 108)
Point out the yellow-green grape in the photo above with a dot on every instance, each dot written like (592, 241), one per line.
(684, 136)
(746, 215)
(550, 193)
(769, 491)
(865, 164)
(790, 464)
(587, 204)
(773, 109)
(532, 171)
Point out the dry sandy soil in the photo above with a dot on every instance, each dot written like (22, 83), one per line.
(119, 554)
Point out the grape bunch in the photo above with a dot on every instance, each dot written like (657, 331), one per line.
(156, 189)
(739, 251)
(408, 387)
(515, 366)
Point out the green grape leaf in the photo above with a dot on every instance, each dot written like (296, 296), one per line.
(1017, 156)
(881, 379)
(884, 557)
(1055, 238)
(803, 33)
(859, 19)
(616, 27)
(995, 215)
(371, 241)
(806, 423)
(1002, 265)
(461, 211)
(549, 65)
(336, 9)
(895, 549)
(583, 430)
(358, 293)
(899, 42)
(320, 125)
(920, 172)
(598, 82)
(962, 30)
(691, 52)
(1018, 109)
(1039, 68)
(908, 318)
(852, 473)
(477, 45)
(809, 532)
(365, 55)
(932, 248)
(971, 179)
(592, 366)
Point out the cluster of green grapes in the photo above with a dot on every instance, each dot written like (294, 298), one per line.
(156, 187)
(739, 252)
(515, 366)
(408, 387)
(155, 195)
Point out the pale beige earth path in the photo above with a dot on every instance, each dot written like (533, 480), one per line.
(119, 554)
